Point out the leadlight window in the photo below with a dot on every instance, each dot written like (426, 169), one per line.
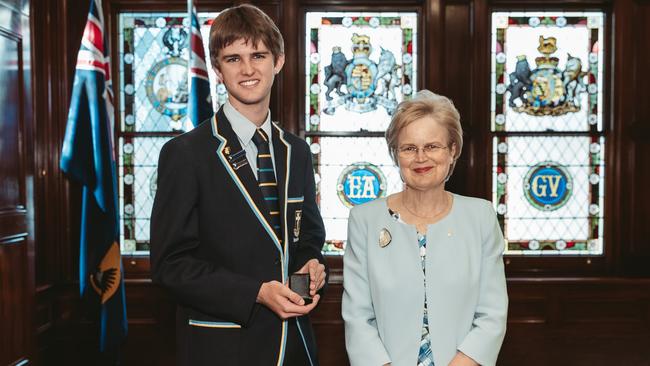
(547, 130)
(153, 90)
(358, 67)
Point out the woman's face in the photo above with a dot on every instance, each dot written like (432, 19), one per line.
(424, 154)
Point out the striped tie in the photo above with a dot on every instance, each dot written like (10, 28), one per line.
(266, 179)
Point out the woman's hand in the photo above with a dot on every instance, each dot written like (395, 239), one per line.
(462, 359)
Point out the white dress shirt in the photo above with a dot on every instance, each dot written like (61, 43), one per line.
(245, 129)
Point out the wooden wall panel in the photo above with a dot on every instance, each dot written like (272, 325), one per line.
(577, 322)
(16, 203)
(151, 339)
(458, 82)
(14, 292)
(59, 25)
(328, 325)
(640, 133)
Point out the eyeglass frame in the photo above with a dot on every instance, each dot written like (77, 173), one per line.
(434, 150)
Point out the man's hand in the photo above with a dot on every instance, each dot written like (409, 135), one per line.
(282, 301)
(317, 274)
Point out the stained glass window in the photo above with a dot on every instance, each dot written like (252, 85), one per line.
(153, 58)
(358, 67)
(547, 126)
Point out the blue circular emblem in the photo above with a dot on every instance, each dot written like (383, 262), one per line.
(547, 186)
(166, 87)
(360, 183)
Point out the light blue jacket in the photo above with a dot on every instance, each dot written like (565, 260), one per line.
(383, 295)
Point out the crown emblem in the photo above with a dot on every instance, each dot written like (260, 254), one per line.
(361, 45)
(547, 46)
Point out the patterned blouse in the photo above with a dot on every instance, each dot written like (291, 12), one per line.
(425, 356)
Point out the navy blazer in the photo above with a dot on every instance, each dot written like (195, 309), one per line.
(212, 245)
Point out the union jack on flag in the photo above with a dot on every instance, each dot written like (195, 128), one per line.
(199, 105)
(88, 157)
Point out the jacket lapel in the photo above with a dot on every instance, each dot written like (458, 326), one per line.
(282, 157)
(233, 157)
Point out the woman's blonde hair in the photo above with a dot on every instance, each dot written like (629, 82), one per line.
(426, 104)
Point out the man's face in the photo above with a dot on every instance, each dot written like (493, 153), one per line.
(248, 73)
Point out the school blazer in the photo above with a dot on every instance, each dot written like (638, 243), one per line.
(383, 299)
(212, 246)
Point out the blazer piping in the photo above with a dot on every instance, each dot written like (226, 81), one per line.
(208, 324)
(304, 342)
(295, 199)
(285, 264)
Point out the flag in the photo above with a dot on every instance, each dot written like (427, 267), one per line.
(88, 157)
(199, 105)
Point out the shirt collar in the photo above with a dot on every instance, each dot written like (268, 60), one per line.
(243, 127)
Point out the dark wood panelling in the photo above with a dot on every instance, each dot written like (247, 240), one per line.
(528, 310)
(151, 332)
(11, 185)
(477, 152)
(456, 83)
(16, 204)
(327, 324)
(288, 112)
(599, 321)
(639, 248)
(13, 226)
(59, 25)
(433, 39)
(14, 292)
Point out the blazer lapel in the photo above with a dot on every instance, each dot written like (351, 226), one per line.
(282, 157)
(233, 157)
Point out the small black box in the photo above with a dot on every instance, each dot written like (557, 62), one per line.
(299, 283)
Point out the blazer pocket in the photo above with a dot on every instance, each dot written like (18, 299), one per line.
(213, 324)
(211, 340)
(300, 199)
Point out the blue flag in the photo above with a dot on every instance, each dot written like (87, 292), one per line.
(88, 157)
(199, 105)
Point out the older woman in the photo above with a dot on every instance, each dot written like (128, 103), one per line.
(423, 273)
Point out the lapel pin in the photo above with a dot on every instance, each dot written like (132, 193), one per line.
(235, 156)
(226, 150)
(239, 164)
(384, 238)
(238, 159)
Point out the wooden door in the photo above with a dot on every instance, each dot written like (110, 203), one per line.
(16, 203)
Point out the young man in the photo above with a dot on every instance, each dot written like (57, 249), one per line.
(235, 215)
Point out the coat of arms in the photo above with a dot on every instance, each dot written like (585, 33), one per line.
(361, 83)
(547, 90)
(166, 80)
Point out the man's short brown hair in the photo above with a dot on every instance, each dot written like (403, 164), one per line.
(245, 22)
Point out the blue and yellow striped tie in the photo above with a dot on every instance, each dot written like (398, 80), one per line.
(266, 179)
